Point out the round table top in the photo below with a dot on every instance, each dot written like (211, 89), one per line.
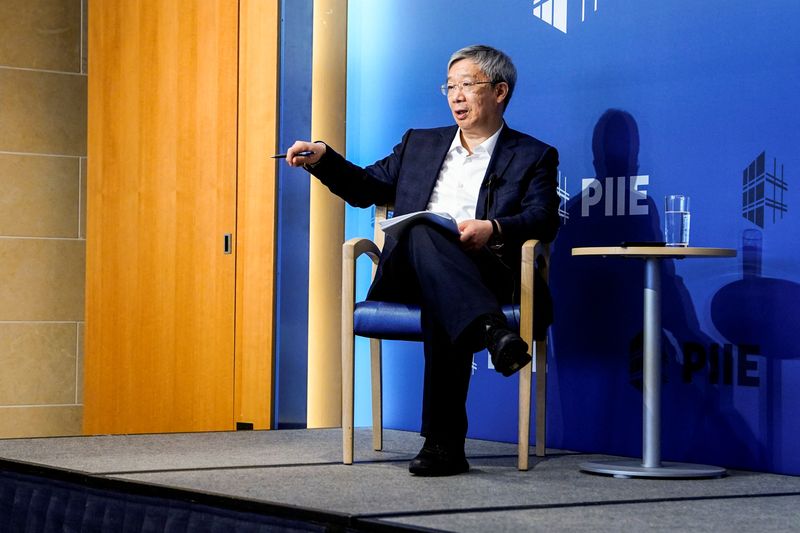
(655, 251)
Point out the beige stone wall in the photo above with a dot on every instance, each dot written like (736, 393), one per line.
(42, 215)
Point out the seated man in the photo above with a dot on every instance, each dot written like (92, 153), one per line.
(501, 187)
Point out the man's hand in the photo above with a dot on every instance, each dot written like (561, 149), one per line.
(475, 234)
(304, 146)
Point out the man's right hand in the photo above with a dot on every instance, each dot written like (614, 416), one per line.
(295, 160)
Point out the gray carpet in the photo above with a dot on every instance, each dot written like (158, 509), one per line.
(302, 468)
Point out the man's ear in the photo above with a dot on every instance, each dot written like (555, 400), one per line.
(501, 91)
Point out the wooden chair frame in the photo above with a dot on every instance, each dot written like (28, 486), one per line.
(534, 255)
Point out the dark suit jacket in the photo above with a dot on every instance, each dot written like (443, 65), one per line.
(519, 189)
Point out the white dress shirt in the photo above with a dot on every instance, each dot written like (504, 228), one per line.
(459, 183)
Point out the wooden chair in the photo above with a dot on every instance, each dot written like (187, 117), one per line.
(534, 255)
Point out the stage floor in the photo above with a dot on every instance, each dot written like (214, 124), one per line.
(300, 471)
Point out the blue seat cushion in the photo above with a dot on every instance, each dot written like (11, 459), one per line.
(397, 321)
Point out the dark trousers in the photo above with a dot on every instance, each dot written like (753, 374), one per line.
(454, 289)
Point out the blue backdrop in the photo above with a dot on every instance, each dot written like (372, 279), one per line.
(697, 98)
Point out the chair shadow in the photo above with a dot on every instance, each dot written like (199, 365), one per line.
(758, 314)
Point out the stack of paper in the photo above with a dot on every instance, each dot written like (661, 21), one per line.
(394, 226)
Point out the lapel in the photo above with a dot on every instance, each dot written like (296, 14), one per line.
(436, 155)
(504, 152)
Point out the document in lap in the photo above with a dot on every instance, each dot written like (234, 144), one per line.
(396, 225)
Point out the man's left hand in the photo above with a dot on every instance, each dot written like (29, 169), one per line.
(475, 234)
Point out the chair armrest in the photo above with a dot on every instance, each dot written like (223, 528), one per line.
(526, 290)
(354, 248)
(533, 249)
(535, 254)
(351, 250)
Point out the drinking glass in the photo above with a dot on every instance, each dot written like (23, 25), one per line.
(676, 220)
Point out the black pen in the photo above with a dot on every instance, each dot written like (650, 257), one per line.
(304, 153)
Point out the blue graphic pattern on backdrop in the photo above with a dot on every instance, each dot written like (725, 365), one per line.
(684, 93)
(763, 191)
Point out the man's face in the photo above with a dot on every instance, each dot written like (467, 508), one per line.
(479, 109)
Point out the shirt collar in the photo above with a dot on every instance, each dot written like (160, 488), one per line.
(486, 146)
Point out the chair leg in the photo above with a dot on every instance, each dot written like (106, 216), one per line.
(541, 397)
(348, 358)
(377, 394)
(524, 424)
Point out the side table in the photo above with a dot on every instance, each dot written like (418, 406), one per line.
(651, 464)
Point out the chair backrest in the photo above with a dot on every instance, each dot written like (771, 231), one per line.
(381, 214)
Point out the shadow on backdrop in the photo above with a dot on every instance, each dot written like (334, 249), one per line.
(597, 333)
(762, 309)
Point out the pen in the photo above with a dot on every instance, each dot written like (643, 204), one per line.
(304, 153)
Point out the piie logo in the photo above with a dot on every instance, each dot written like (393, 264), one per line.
(563, 198)
(763, 190)
(555, 12)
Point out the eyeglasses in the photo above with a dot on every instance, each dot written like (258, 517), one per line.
(465, 86)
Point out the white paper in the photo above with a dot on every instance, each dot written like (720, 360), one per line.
(394, 226)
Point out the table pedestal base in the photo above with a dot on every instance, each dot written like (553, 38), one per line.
(633, 468)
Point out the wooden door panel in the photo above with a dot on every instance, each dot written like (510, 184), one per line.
(161, 195)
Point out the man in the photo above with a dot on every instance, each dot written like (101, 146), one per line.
(500, 185)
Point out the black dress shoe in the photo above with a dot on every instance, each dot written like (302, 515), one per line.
(509, 352)
(435, 459)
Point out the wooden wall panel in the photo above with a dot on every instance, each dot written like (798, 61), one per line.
(259, 57)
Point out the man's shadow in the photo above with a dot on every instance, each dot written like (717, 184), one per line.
(597, 332)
